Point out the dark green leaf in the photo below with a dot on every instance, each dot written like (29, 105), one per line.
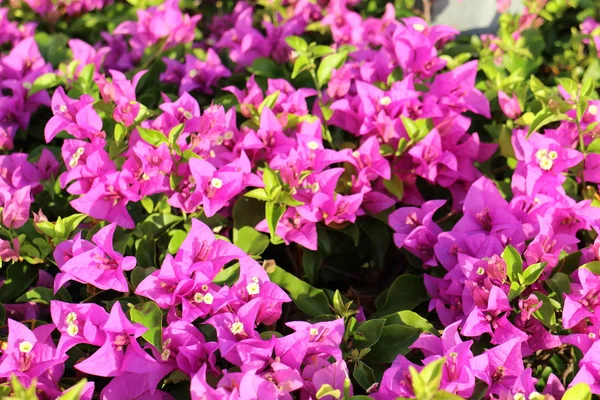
(19, 277)
(368, 333)
(394, 340)
(364, 376)
(407, 292)
(309, 299)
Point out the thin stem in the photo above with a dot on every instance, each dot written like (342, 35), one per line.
(427, 10)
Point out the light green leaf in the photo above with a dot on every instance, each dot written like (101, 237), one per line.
(328, 64)
(149, 315)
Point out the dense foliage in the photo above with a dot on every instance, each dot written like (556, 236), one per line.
(298, 199)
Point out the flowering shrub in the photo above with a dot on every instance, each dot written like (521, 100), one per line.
(298, 200)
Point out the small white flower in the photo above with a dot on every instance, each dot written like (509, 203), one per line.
(71, 318)
(385, 101)
(199, 297)
(237, 328)
(312, 145)
(25, 347)
(208, 298)
(216, 183)
(72, 330)
(253, 288)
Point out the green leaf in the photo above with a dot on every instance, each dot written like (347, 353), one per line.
(432, 374)
(153, 137)
(394, 340)
(532, 273)
(150, 315)
(309, 299)
(72, 222)
(559, 283)
(378, 233)
(272, 183)
(515, 289)
(19, 277)
(145, 251)
(328, 64)
(364, 376)
(44, 82)
(228, 276)
(311, 263)
(265, 67)
(297, 43)
(177, 238)
(418, 385)
(569, 85)
(268, 102)
(581, 391)
(568, 264)
(74, 392)
(120, 132)
(273, 213)
(545, 313)
(288, 200)
(544, 117)
(250, 240)
(269, 334)
(411, 127)
(43, 295)
(139, 274)
(410, 318)
(407, 292)
(593, 266)
(514, 263)
(443, 395)
(301, 64)
(320, 51)
(395, 186)
(259, 194)
(368, 333)
(327, 390)
(86, 76)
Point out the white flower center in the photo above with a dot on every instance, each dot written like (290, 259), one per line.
(72, 330)
(237, 328)
(593, 109)
(216, 183)
(166, 353)
(385, 101)
(312, 145)
(63, 108)
(208, 298)
(25, 347)
(419, 27)
(253, 288)
(71, 318)
(199, 297)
